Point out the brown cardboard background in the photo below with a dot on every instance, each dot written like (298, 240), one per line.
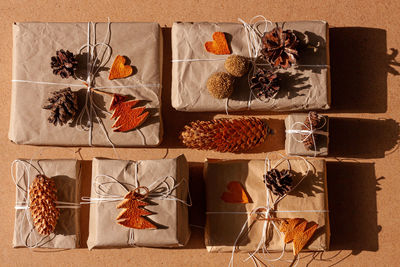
(363, 191)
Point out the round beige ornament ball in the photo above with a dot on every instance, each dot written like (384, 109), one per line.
(220, 85)
(236, 66)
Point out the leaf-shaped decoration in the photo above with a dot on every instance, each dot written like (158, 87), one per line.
(299, 231)
(128, 118)
(235, 194)
(133, 213)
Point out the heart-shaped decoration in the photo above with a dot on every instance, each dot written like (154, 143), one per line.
(235, 194)
(219, 45)
(119, 69)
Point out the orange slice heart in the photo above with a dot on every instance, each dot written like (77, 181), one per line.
(119, 69)
(235, 194)
(219, 45)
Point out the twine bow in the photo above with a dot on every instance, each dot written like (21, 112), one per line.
(265, 214)
(95, 62)
(24, 204)
(307, 131)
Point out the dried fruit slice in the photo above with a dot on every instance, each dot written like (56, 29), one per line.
(219, 45)
(133, 213)
(126, 118)
(119, 69)
(235, 194)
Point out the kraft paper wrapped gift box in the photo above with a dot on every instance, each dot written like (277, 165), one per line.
(66, 175)
(304, 87)
(293, 141)
(224, 221)
(169, 215)
(35, 44)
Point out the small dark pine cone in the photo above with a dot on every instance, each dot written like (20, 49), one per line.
(264, 83)
(280, 47)
(63, 105)
(64, 64)
(316, 122)
(279, 182)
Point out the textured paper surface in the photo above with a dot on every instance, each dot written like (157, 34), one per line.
(222, 229)
(172, 216)
(293, 147)
(65, 173)
(36, 43)
(302, 88)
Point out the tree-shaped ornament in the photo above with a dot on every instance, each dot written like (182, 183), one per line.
(127, 117)
(133, 212)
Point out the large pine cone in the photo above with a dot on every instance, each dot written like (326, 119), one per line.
(64, 64)
(42, 203)
(280, 47)
(225, 135)
(264, 83)
(279, 182)
(316, 121)
(63, 105)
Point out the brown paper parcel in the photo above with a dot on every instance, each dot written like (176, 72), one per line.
(65, 173)
(303, 87)
(293, 147)
(223, 228)
(34, 45)
(171, 216)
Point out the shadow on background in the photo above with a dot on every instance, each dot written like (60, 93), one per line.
(362, 138)
(85, 191)
(352, 191)
(359, 68)
(197, 212)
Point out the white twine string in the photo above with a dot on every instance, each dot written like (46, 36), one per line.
(24, 205)
(305, 134)
(93, 57)
(160, 189)
(267, 210)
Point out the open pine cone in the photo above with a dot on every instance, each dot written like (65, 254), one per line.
(63, 105)
(279, 182)
(64, 63)
(264, 83)
(280, 47)
(317, 121)
(225, 135)
(42, 204)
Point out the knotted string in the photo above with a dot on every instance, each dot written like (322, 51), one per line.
(254, 46)
(264, 213)
(309, 132)
(95, 62)
(160, 189)
(24, 205)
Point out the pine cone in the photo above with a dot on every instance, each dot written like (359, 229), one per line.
(225, 135)
(279, 182)
(280, 47)
(64, 64)
(316, 122)
(42, 203)
(63, 105)
(264, 83)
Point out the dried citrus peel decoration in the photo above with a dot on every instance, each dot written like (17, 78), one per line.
(119, 69)
(299, 231)
(235, 194)
(127, 118)
(219, 45)
(133, 212)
